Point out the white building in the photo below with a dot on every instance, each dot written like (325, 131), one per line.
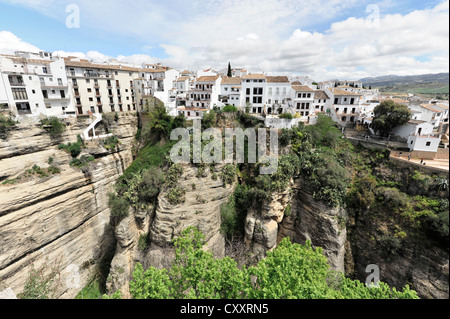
(35, 84)
(230, 91)
(322, 102)
(303, 98)
(346, 106)
(277, 94)
(419, 135)
(201, 97)
(254, 92)
(99, 88)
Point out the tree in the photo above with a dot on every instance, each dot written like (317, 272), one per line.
(389, 115)
(230, 73)
(291, 271)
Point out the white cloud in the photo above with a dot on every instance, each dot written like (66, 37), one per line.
(9, 43)
(270, 35)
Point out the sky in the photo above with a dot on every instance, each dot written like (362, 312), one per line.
(332, 39)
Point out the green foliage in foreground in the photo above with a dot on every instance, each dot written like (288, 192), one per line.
(291, 271)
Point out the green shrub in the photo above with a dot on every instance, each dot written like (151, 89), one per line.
(111, 143)
(6, 124)
(176, 195)
(174, 173)
(143, 242)
(119, 207)
(41, 283)
(53, 170)
(390, 245)
(73, 148)
(229, 109)
(287, 116)
(228, 174)
(82, 161)
(54, 126)
(150, 185)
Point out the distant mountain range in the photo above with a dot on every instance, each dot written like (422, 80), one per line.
(394, 80)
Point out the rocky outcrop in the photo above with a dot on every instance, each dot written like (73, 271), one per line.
(201, 208)
(262, 224)
(313, 220)
(61, 219)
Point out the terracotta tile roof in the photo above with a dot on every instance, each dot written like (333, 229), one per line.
(343, 92)
(443, 106)
(321, 95)
(302, 88)
(415, 122)
(193, 109)
(160, 70)
(207, 78)
(254, 77)
(396, 100)
(182, 78)
(296, 83)
(87, 64)
(345, 87)
(186, 72)
(430, 107)
(231, 80)
(22, 60)
(277, 79)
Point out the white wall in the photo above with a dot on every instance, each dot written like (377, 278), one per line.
(417, 143)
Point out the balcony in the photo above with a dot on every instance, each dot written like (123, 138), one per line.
(55, 98)
(16, 84)
(43, 85)
(24, 112)
(91, 75)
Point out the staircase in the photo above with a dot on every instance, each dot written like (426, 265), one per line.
(98, 119)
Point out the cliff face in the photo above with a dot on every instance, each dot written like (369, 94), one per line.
(262, 225)
(418, 262)
(63, 219)
(163, 223)
(313, 220)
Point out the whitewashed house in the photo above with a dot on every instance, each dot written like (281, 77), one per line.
(230, 91)
(346, 106)
(303, 98)
(35, 84)
(254, 92)
(277, 94)
(419, 135)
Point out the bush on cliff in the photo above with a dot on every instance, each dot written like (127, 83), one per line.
(291, 271)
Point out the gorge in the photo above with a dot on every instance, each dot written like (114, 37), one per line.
(64, 218)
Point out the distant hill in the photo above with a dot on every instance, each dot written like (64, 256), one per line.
(426, 85)
(395, 80)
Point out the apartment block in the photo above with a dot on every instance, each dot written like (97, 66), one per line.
(101, 88)
(34, 84)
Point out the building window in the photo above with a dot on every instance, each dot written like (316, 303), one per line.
(19, 94)
(45, 70)
(257, 99)
(257, 91)
(428, 144)
(89, 90)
